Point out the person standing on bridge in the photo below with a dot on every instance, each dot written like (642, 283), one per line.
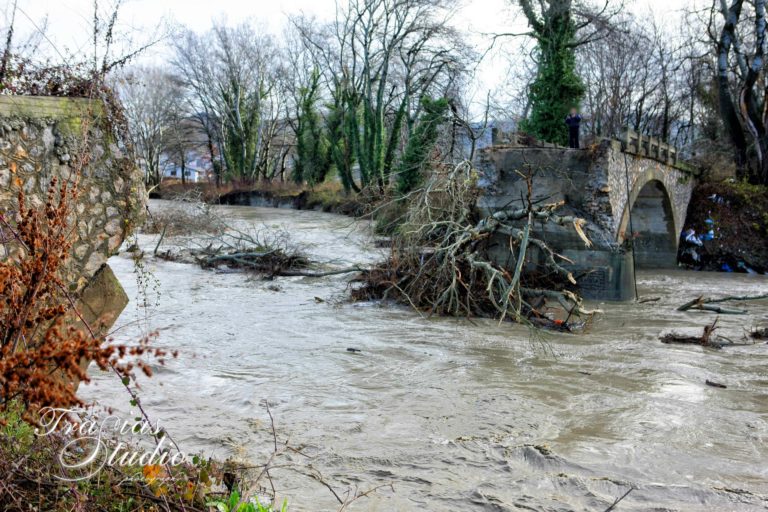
(573, 120)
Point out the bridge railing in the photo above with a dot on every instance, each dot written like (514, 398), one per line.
(649, 147)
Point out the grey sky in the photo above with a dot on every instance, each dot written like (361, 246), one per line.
(69, 21)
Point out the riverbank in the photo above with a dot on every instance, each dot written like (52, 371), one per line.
(729, 220)
(328, 197)
(99, 465)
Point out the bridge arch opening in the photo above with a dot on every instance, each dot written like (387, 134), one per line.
(653, 222)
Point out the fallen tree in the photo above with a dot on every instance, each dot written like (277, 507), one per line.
(269, 252)
(707, 338)
(439, 261)
(266, 250)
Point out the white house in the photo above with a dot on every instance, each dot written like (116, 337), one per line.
(196, 167)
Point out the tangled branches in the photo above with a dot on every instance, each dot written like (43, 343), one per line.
(266, 251)
(186, 214)
(441, 262)
(23, 77)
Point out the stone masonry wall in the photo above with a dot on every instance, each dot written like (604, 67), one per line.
(42, 138)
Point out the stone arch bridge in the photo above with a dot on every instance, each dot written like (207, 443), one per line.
(624, 190)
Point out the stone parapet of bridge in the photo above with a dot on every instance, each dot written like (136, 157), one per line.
(650, 147)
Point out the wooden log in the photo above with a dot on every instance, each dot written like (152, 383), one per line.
(705, 304)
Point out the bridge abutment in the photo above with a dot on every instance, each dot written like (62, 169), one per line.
(635, 207)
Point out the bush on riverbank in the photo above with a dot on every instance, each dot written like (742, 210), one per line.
(45, 344)
(737, 215)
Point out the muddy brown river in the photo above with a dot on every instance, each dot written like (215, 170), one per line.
(454, 414)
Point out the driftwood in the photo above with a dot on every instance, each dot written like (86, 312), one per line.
(719, 310)
(619, 500)
(704, 340)
(309, 273)
(706, 304)
(707, 339)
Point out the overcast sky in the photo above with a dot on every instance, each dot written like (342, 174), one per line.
(69, 21)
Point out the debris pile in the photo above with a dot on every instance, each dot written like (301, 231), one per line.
(439, 262)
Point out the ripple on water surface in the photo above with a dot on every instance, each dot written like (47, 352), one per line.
(457, 414)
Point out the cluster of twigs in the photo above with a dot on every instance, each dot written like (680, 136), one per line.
(186, 214)
(440, 261)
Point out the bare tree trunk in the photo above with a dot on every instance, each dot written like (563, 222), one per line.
(183, 162)
(747, 102)
(728, 111)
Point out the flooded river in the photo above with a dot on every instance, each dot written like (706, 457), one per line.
(455, 414)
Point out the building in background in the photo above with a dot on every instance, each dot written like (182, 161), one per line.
(195, 166)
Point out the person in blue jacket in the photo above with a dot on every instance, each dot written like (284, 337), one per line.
(573, 120)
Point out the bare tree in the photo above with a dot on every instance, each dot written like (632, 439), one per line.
(639, 77)
(379, 58)
(740, 50)
(231, 75)
(150, 97)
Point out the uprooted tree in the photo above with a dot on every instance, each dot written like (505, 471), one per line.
(440, 259)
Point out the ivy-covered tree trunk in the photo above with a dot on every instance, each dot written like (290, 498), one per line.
(341, 126)
(241, 131)
(421, 143)
(312, 160)
(557, 87)
(743, 96)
